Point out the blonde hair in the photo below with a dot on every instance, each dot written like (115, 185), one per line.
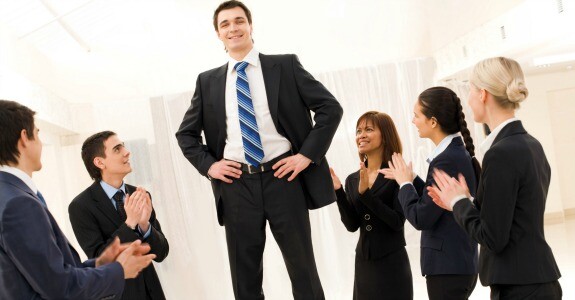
(503, 78)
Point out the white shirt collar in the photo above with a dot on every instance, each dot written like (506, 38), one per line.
(252, 58)
(21, 175)
(491, 137)
(441, 147)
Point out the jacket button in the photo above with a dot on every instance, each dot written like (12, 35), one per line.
(367, 217)
(368, 227)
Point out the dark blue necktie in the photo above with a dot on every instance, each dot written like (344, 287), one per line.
(119, 198)
(254, 152)
(41, 198)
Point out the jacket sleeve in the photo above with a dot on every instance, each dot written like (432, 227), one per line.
(491, 227)
(392, 216)
(89, 234)
(158, 242)
(28, 239)
(419, 208)
(347, 212)
(327, 112)
(189, 134)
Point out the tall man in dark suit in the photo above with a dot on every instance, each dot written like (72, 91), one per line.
(36, 260)
(111, 208)
(255, 114)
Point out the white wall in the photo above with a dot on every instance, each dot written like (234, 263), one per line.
(545, 116)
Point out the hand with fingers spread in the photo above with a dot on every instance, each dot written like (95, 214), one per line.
(335, 179)
(133, 206)
(134, 258)
(224, 169)
(144, 221)
(363, 178)
(398, 170)
(294, 164)
(446, 188)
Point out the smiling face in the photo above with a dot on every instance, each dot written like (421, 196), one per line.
(368, 138)
(234, 30)
(116, 162)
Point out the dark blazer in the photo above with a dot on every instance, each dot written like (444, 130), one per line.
(376, 213)
(96, 223)
(36, 260)
(291, 92)
(508, 222)
(445, 247)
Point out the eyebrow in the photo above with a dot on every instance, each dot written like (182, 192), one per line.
(118, 146)
(226, 21)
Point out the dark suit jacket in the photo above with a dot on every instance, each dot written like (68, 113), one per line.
(292, 92)
(509, 223)
(376, 213)
(36, 261)
(96, 223)
(445, 247)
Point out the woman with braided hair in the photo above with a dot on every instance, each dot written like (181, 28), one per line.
(448, 255)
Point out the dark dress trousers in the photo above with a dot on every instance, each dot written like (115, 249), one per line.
(382, 269)
(245, 205)
(445, 247)
(96, 223)
(507, 219)
(36, 260)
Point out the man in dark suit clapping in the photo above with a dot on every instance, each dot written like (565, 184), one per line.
(36, 260)
(111, 208)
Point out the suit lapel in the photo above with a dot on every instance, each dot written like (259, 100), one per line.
(272, 74)
(104, 204)
(218, 96)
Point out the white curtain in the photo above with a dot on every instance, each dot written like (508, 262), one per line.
(197, 266)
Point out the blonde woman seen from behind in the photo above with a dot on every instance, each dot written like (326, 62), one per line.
(507, 218)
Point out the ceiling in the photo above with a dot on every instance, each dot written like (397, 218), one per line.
(104, 50)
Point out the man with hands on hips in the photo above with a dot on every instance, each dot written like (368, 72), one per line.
(110, 208)
(254, 112)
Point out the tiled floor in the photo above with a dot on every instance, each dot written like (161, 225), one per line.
(561, 238)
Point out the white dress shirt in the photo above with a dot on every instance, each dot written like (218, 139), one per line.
(274, 144)
(22, 176)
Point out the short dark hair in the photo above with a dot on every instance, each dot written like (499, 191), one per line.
(14, 117)
(389, 136)
(94, 147)
(229, 5)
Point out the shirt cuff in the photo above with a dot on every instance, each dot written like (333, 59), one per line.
(407, 182)
(147, 234)
(457, 198)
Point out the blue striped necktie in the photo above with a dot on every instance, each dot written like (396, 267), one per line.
(254, 152)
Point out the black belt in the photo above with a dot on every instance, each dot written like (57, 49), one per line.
(267, 166)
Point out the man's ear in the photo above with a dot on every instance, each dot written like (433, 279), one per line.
(99, 163)
(24, 139)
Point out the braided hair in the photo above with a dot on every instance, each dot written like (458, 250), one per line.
(444, 105)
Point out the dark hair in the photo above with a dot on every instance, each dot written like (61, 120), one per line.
(14, 117)
(389, 135)
(443, 104)
(229, 5)
(94, 147)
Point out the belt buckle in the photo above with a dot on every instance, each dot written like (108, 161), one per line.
(254, 170)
